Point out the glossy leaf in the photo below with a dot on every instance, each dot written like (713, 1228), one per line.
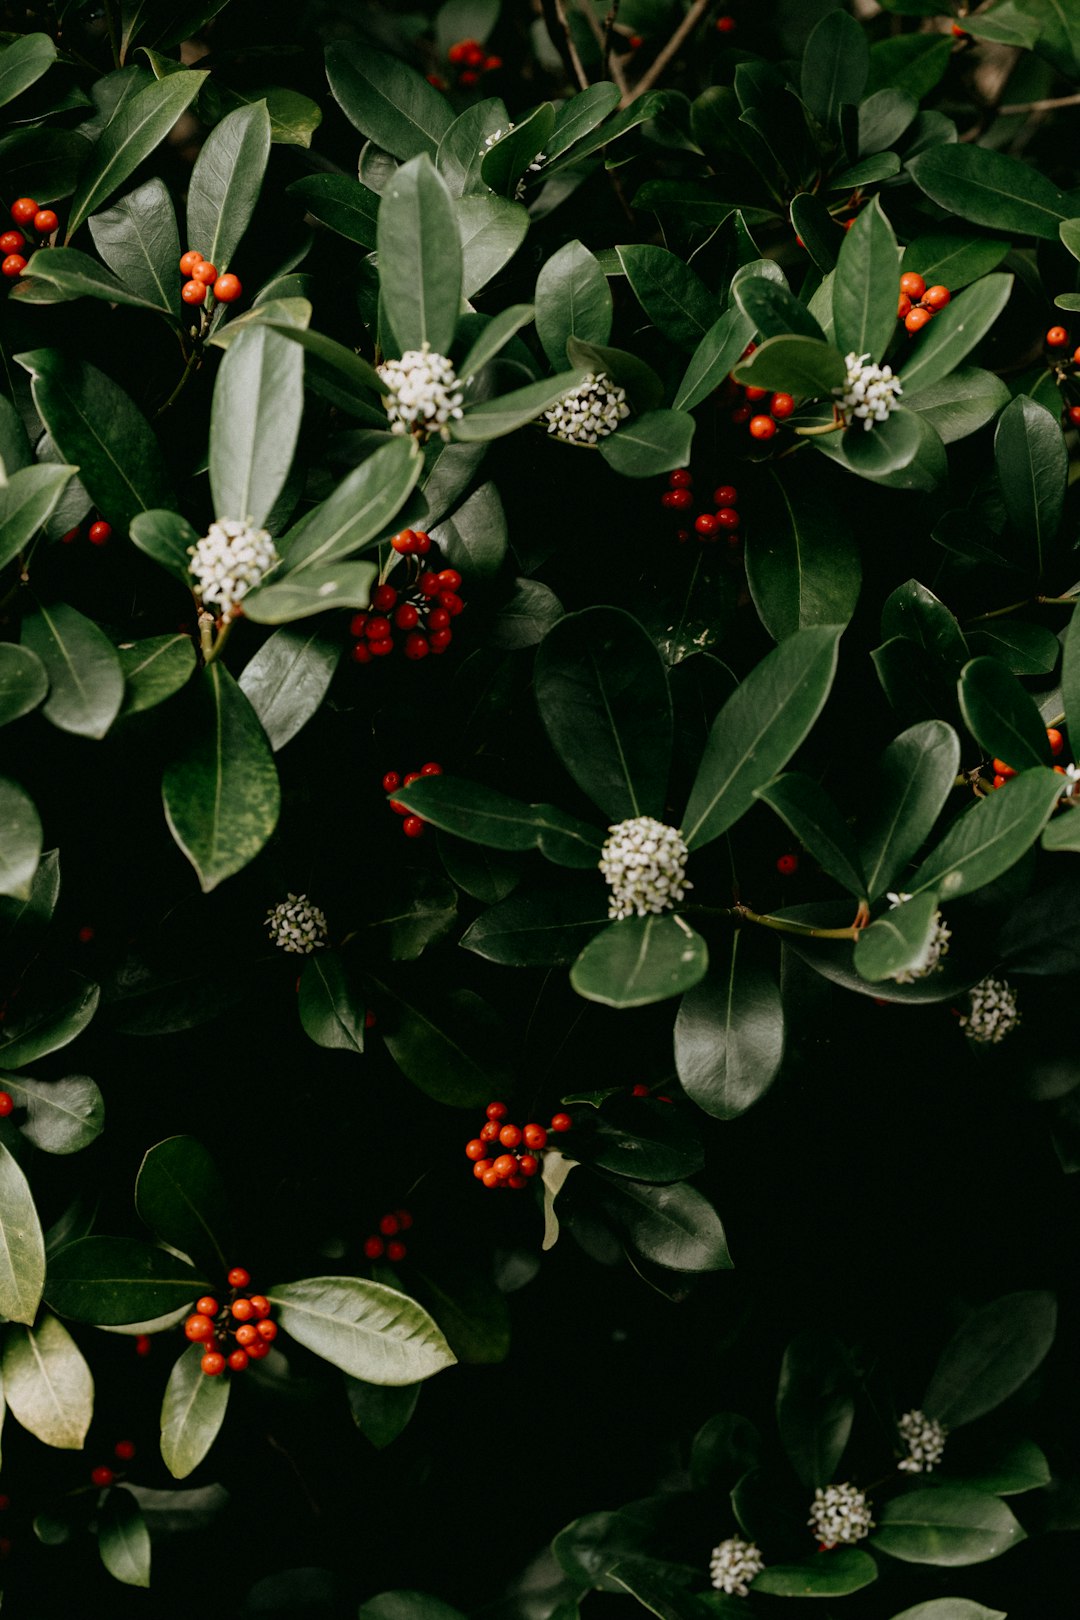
(672, 295)
(368, 1330)
(58, 274)
(773, 310)
(864, 309)
(47, 1384)
(539, 927)
(123, 1539)
(22, 1247)
(388, 102)
(802, 563)
(140, 124)
(167, 538)
(154, 669)
(421, 271)
(835, 64)
(453, 1047)
(898, 942)
(380, 1411)
(951, 1526)
(23, 681)
(825, 1574)
(797, 365)
(505, 164)
(138, 239)
(729, 1033)
(1025, 649)
(722, 345)
(491, 230)
(993, 1352)
(1001, 716)
(950, 1609)
(474, 540)
(1032, 468)
(330, 1006)
(287, 680)
(647, 445)
(961, 403)
(496, 417)
(990, 837)
(815, 1406)
(361, 507)
(340, 202)
(62, 1116)
(191, 1413)
(309, 591)
(86, 684)
(180, 1194)
(225, 183)
(26, 502)
(258, 401)
(673, 1226)
(572, 300)
(954, 332)
(991, 188)
(22, 64)
(20, 840)
(116, 1280)
(803, 804)
(45, 1026)
(639, 960)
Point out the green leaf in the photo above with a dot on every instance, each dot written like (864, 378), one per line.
(572, 300)
(672, 295)
(330, 1006)
(97, 428)
(487, 816)
(154, 669)
(86, 685)
(310, 591)
(953, 260)
(916, 614)
(961, 403)
(950, 1608)
(797, 365)
(361, 507)
(506, 162)
(1025, 649)
(835, 65)
(340, 202)
(815, 1406)
(138, 239)
(386, 101)
(821, 235)
(420, 271)
(23, 681)
(47, 1384)
(1001, 716)
(42, 163)
(368, 1330)
(70, 274)
(22, 1247)
(899, 941)
(453, 1047)
(539, 927)
(123, 1539)
(220, 789)
(883, 118)
(474, 540)
(949, 1525)
(191, 1413)
(802, 563)
(834, 1573)
(287, 680)
(496, 417)
(864, 309)
(579, 115)
(112, 1281)
(381, 1412)
(254, 422)
(23, 63)
(179, 1191)
(419, 909)
(990, 188)
(639, 960)
(62, 1116)
(773, 310)
(491, 230)
(492, 338)
(722, 345)
(407, 1606)
(1003, 1470)
(464, 147)
(673, 1226)
(647, 445)
(226, 181)
(906, 793)
(990, 1356)
(45, 1027)
(20, 841)
(729, 1033)
(990, 837)
(1032, 467)
(759, 728)
(954, 332)
(167, 538)
(640, 1137)
(139, 125)
(803, 804)
(642, 384)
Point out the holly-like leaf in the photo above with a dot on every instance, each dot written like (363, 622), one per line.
(342, 203)
(139, 125)
(835, 65)
(1032, 467)
(138, 239)
(361, 507)
(22, 64)
(62, 1116)
(23, 681)
(22, 1246)
(368, 1330)
(990, 188)
(180, 1194)
(722, 345)
(154, 669)
(647, 445)
(191, 1413)
(86, 683)
(123, 1539)
(803, 804)
(27, 501)
(288, 678)
(990, 837)
(388, 102)
(572, 300)
(672, 1226)
(1001, 716)
(672, 295)
(330, 1006)
(225, 183)
(864, 309)
(797, 365)
(834, 1573)
(20, 840)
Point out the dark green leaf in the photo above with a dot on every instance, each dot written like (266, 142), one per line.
(821, 234)
(287, 680)
(388, 102)
(911, 62)
(802, 563)
(381, 1412)
(826, 1574)
(191, 1413)
(773, 310)
(340, 202)
(950, 1608)
(993, 1352)
(526, 617)
(361, 507)
(904, 797)
(815, 1407)
(453, 1047)
(645, 446)
(505, 163)
(154, 669)
(116, 1280)
(673, 1226)
(864, 308)
(883, 118)
(572, 300)
(495, 417)
(486, 816)
(990, 837)
(1001, 716)
(138, 239)
(180, 1194)
(1032, 468)
(991, 188)
(960, 403)
(47, 1384)
(474, 539)
(797, 365)
(23, 681)
(729, 1033)
(139, 125)
(331, 1007)
(952, 260)
(672, 295)
(719, 349)
(491, 229)
(1070, 673)
(421, 276)
(123, 1539)
(949, 1525)
(639, 960)
(899, 941)
(86, 685)
(368, 1330)
(45, 1027)
(724, 1449)
(803, 804)
(419, 910)
(1025, 649)
(254, 422)
(954, 332)
(20, 840)
(22, 1246)
(22, 64)
(916, 614)
(1003, 1470)
(539, 927)
(579, 115)
(55, 275)
(226, 181)
(835, 65)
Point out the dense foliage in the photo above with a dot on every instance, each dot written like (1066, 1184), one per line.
(538, 563)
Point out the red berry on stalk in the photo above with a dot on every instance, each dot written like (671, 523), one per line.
(258, 1349)
(391, 782)
(238, 1360)
(787, 865)
(999, 781)
(475, 54)
(404, 542)
(913, 285)
(422, 542)
(198, 1327)
(412, 827)
(213, 1363)
(727, 518)
(1001, 769)
(725, 25)
(490, 1178)
(781, 406)
(207, 1306)
(13, 266)
(481, 1168)
(7, 1103)
(23, 210)
(124, 1449)
(705, 524)
(45, 222)
(917, 319)
(205, 272)
(396, 1250)
(449, 579)
(377, 628)
(416, 646)
(238, 1277)
(429, 584)
(406, 617)
(492, 64)
(193, 292)
(528, 1165)
(267, 1331)
(534, 1136)
(102, 1476)
(510, 1136)
(505, 1165)
(388, 1226)
(189, 260)
(440, 640)
(496, 1110)
(936, 298)
(762, 427)
(260, 1305)
(373, 1247)
(475, 1149)
(370, 1019)
(681, 478)
(247, 1334)
(11, 242)
(1055, 739)
(383, 598)
(903, 307)
(143, 1346)
(456, 53)
(1057, 338)
(561, 1122)
(227, 289)
(100, 533)
(726, 495)
(381, 648)
(242, 1309)
(490, 1132)
(432, 768)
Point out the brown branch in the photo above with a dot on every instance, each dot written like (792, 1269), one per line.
(569, 50)
(674, 44)
(1019, 107)
(602, 36)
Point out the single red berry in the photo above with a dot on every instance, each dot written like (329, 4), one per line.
(535, 1136)
(388, 1226)
(238, 1277)
(668, 500)
(903, 307)
(1073, 413)
(100, 533)
(635, 42)
(679, 499)
(23, 210)
(726, 495)
(741, 414)
(124, 1449)
(391, 782)
(199, 1327)
(456, 53)
(260, 1305)
(781, 406)
(913, 285)
(374, 1247)
(45, 222)
(377, 628)
(490, 1178)
(5, 1503)
(490, 1131)
(7, 1104)
(13, 266)
(193, 292)
(205, 272)
(102, 1476)
(416, 645)
(917, 319)
(936, 298)
(396, 1250)
(705, 524)
(787, 865)
(639, 1090)
(370, 1019)
(682, 536)
(1057, 338)
(382, 648)
(449, 579)
(510, 1136)
(258, 1349)
(474, 53)
(405, 1220)
(247, 1334)
(404, 542)
(681, 478)
(242, 1309)
(561, 1122)
(492, 64)
(11, 242)
(475, 1149)
(267, 1331)
(361, 653)
(1055, 739)
(407, 617)
(238, 1360)
(504, 1165)
(958, 32)
(383, 598)
(213, 1363)
(429, 584)
(725, 25)
(143, 1346)
(432, 768)
(496, 1110)
(481, 1168)
(1001, 769)
(207, 1306)
(528, 1165)
(762, 427)
(71, 536)
(422, 542)
(412, 827)
(517, 1180)
(227, 289)
(727, 518)
(189, 260)
(440, 640)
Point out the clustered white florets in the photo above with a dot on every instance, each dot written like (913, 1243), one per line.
(422, 393)
(868, 393)
(925, 1441)
(936, 946)
(589, 412)
(229, 560)
(644, 862)
(840, 1514)
(733, 1566)
(993, 1013)
(534, 167)
(297, 926)
(1071, 788)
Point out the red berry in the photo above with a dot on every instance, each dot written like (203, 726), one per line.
(377, 628)
(13, 266)
(391, 782)
(492, 64)
(124, 1449)
(1073, 413)
(102, 1476)
(917, 319)
(475, 54)
(678, 499)
(247, 1334)
(238, 1277)
(388, 1226)
(535, 1136)
(528, 1165)
(456, 53)
(725, 25)
(193, 292)
(705, 524)
(143, 1346)
(561, 1122)
(361, 653)
(11, 242)
(431, 769)
(517, 1180)
(383, 598)
(404, 542)
(913, 285)
(726, 495)
(741, 414)
(189, 260)
(1055, 739)
(1056, 338)
(681, 478)
(936, 298)
(781, 406)
(204, 271)
(227, 289)
(258, 1349)
(267, 1331)
(199, 1327)
(958, 32)
(23, 210)
(787, 864)
(207, 1306)
(100, 533)
(412, 827)
(429, 584)
(668, 499)
(762, 427)
(422, 542)
(45, 222)
(510, 1136)
(7, 1103)
(505, 1165)
(903, 307)
(416, 645)
(1001, 769)
(639, 1090)
(727, 518)
(753, 394)
(373, 1247)
(381, 648)
(475, 1149)
(496, 1110)
(370, 1019)
(490, 1178)
(406, 617)
(396, 1250)
(450, 579)
(242, 1309)
(238, 1360)
(440, 640)
(260, 1305)
(490, 1132)
(481, 1168)
(213, 1363)
(405, 1220)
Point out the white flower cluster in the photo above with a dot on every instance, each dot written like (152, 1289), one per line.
(840, 1513)
(422, 393)
(936, 946)
(993, 1013)
(733, 1566)
(925, 1440)
(589, 412)
(1071, 790)
(534, 167)
(868, 393)
(644, 862)
(296, 925)
(229, 560)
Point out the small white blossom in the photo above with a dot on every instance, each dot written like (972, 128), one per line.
(733, 1566)
(534, 167)
(993, 1013)
(422, 393)
(868, 393)
(925, 1440)
(644, 862)
(296, 925)
(589, 412)
(936, 946)
(1071, 789)
(229, 560)
(840, 1513)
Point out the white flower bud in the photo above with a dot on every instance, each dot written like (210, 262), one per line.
(936, 946)
(589, 412)
(925, 1440)
(733, 1565)
(229, 561)
(297, 926)
(993, 1013)
(644, 862)
(869, 393)
(840, 1514)
(422, 393)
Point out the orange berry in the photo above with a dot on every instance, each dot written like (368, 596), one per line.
(227, 289)
(247, 1334)
(561, 1122)
(259, 1349)
(913, 285)
(903, 306)
(505, 1165)
(481, 1168)
(13, 265)
(762, 427)
(23, 210)
(199, 1327)
(189, 260)
(528, 1164)
(1073, 413)
(936, 298)
(260, 1305)
(475, 1149)
(242, 1309)
(238, 1360)
(267, 1331)
(1057, 338)
(999, 781)
(490, 1178)
(535, 1136)
(207, 1306)
(1001, 769)
(238, 1277)
(193, 292)
(781, 406)
(496, 1110)
(205, 272)
(490, 1131)
(510, 1136)
(45, 222)
(754, 394)
(1055, 739)
(213, 1363)
(917, 319)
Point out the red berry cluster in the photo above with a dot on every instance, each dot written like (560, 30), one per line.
(642, 1090)
(743, 398)
(202, 278)
(1003, 772)
(98, 534)
(412, 826)
(918, 303)
(7, 1103)
(246, 1319)
(509, 1168)
(472, 61)
(103, 1475)
(387, 1239)
(1057, 340)
(25, 212)
(724, 520)
(421, 606)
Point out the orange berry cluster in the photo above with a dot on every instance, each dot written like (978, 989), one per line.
(724, 520)
(245, 1319)
(1057, 340)
(103, 1475)
(510, 1168)
(412, 826)
(202, 278)
(742, 398)
(25, 212)
(1003, 772)
(387, 1241)
(472, 61)
(918, 303)
(421, 605)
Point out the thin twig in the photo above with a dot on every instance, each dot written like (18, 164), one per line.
(674, 44)
(1020, 107)
(602, 37)
(571, 49)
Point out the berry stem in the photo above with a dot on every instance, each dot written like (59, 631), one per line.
(782, 925)
(192, 364)
(217, 647)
